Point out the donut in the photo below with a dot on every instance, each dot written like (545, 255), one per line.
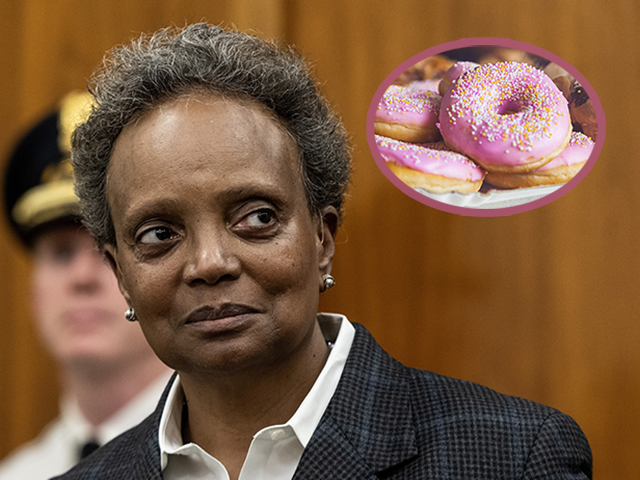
(504, 54)
(564, 85)
(559, 170)
(553, 70)
(430, 166)
(508, 117)
(454, 72)
(561, 78)
(428, 68)
(408, 114)
(583, 115)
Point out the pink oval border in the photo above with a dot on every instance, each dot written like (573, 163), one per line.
(480, 212)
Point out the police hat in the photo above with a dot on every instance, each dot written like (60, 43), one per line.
(38, 183)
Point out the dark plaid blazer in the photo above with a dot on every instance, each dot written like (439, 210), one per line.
(386, 420)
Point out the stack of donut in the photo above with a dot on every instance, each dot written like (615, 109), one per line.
(508, 123)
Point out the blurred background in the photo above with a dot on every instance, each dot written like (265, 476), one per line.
(542, 304)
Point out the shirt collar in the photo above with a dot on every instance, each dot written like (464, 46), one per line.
(310, 411)
(336, 329)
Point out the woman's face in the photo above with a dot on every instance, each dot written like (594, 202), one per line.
(215, 247)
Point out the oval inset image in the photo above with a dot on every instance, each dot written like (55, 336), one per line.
(485, 127)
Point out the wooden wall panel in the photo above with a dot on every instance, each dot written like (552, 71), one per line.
(541, 304)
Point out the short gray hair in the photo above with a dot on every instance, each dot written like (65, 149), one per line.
(172, 62)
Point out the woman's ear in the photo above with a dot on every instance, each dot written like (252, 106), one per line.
(327, 230)
(111, 254)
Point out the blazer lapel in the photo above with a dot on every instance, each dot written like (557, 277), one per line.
(147, 465)
(330, 455)
(367, 427)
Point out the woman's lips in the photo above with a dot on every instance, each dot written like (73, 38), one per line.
(226, 311)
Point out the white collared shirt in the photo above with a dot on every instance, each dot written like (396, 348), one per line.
(58, 446)
(275, 451)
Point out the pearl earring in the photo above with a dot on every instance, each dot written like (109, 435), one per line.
(327, 282)
(130, 315)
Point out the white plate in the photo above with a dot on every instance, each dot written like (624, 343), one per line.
(494, 198)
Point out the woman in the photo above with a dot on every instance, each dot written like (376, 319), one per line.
(212, 175)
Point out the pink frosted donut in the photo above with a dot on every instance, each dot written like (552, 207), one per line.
(508, 117)
(454, 72)
(559, 170)
(430, 166)
(408, 114)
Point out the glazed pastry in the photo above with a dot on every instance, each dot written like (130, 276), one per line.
(508, 117)
(583, 115)
(430, 166)
(564, 85)
(430, 68)
(408, 114)
(563, 79)
(553, 70)
(504, 54)
(559, 170)
(454, 72)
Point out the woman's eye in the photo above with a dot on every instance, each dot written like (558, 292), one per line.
(156, 235)
(261, 217)
(258, 220)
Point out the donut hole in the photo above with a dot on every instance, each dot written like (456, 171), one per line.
(509, 107)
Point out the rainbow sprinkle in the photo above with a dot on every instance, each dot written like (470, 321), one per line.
(507, 101)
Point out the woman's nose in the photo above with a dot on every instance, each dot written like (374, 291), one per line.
(211, 259)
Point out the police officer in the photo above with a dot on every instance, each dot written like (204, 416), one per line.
(111, 379)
